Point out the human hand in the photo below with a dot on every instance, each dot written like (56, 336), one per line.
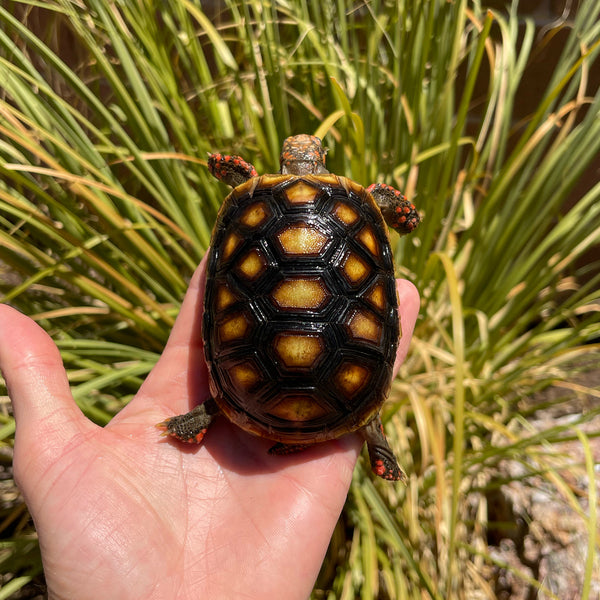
(122, 513)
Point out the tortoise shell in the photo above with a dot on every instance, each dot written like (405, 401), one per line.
(300, 317)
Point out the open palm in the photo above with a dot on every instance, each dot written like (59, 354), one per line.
(122, 513)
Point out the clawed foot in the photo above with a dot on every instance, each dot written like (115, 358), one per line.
(232, 170)
(190, 427)
(383, 461)
(398, 212)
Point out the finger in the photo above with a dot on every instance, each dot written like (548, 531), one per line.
(408, 307)
(179, 379)
(37, 384)
(187, 328)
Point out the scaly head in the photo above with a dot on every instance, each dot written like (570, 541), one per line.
(303, 155)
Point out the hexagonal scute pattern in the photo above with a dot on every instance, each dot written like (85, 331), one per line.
(300, 317)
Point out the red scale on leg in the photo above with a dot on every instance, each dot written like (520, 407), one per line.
(232, 170)
(198, 437)
(398, 212)
(378, 468)
(383, 461)
(191, 427)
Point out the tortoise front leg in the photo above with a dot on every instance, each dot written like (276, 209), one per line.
(383, 461)
(232, 170)
(398, 212)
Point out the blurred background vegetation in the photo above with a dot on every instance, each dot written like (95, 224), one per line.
(487, 120)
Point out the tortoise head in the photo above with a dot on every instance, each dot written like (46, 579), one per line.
(303, 155)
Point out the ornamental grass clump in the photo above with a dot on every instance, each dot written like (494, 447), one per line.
(107, 112)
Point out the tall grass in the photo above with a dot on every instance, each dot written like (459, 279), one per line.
(106, 207)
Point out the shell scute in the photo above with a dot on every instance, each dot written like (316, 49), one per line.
(354, 269)
(301, 293)
(364, 325)
(301, 192)
(255, 215)
(298, 408)
(301, 239)
(297, 350)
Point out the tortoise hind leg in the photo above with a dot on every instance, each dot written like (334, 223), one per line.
(191, 426)
(383, 461)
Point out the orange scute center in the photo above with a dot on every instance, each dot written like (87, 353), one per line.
(355, 269)
(301, 293)
(344, 213)
(255, 214)
(301, 193)
(351, 378)
(368, 240)
(376, 296)
(234, 328)
(364, 325)
(298, 350)
(298, 407)
(301, 240)
(252, 264)
(245, 375)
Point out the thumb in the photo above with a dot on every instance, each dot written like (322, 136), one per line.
(46, 415)
(408, 305)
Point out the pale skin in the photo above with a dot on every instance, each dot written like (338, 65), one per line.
(124, 513)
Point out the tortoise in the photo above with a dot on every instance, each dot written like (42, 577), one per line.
(300, 321)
